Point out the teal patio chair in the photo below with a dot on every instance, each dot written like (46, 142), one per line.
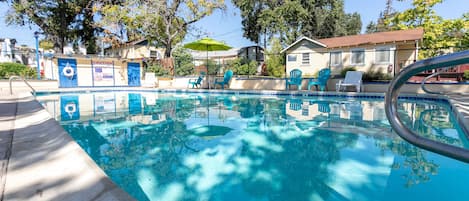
(197, 82)
(295, 79)
(226, 80)
(321, 81)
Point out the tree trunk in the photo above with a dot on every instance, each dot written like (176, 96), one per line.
(167, 52)
(58, 44)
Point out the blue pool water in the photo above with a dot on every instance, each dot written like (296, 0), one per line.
(160, 146)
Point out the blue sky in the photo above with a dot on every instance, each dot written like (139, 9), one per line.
(226, 26)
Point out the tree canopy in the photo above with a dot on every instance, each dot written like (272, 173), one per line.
(289, 19)
(439, 33)
(165, 23)
(61, 22)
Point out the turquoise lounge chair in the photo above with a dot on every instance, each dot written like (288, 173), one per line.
(321, 81)
(197, 82)
(295, 79)
(226, 80)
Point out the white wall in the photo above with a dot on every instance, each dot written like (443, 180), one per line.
(320, 57)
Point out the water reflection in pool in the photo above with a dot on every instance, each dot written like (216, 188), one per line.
(223, 147)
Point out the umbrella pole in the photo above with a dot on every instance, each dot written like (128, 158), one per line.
(208, 74)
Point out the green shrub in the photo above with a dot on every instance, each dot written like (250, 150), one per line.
(183, 64)
(275, 62)
(344, 71)
(10, 69)
(213, 67)
(372, 75)
(466, 74)
(158, 69)
(243, 66)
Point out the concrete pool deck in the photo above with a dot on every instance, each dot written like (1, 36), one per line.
(40, 161)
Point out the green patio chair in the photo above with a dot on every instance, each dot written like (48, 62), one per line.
(321, 81)
(197, 82)
(295, 79)
(226, 80)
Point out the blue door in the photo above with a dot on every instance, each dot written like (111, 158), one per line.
(133, 74)
(135, 103)
(68, 72)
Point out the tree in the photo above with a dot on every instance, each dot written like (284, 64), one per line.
(46, 44)
(382, 24)
(291, 19)
(243, 66)
(61, 22)
(439, 33)
(53, 18)
(183, 62)
(275, 62)
(163, 22)
(353, 24)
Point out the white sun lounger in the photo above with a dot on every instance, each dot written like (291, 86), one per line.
(352, 78)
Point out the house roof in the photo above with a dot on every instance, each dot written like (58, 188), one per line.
(364, 39)
(374, 38)
(303, 38)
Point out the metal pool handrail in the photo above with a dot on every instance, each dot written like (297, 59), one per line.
(391, 98)
(424, 88)
(20, 78)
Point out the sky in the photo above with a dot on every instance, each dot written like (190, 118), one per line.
(226, 26)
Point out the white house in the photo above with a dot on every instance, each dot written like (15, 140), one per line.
(135, 50)
(387, 52)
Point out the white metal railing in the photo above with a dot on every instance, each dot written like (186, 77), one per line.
(391, 98)
(20, 78)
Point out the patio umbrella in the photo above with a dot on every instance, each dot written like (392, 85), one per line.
(207, 44)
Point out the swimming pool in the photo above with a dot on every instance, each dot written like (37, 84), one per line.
(199, 146)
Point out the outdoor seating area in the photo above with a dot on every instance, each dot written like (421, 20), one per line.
(321, 82)
(294, 79)
(197, 82)
(225, 81)
(352, 79)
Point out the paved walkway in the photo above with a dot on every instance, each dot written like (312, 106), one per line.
(7, 120)
(40, 161)
(460, 104)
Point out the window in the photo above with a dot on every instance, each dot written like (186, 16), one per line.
(336, 58)
(358, 57)
(291, 57)
(382, 55)
(305, 58)
(155, 54)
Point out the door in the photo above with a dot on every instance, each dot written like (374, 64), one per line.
(68, 72)
(133, 74)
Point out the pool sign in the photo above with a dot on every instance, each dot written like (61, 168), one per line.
(103, 74)
(68, 72)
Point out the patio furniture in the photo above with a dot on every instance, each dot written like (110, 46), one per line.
(226, 80)
(321, 81)
(295, 104)
(197, 82)
(295, 79)
(352, 78)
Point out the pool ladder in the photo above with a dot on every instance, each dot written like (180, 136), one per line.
(392, 94)
(24, 80)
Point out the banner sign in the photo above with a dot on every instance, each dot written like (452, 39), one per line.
(103, 73)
